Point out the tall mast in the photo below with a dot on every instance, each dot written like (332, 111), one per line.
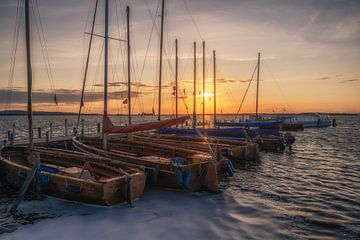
(257, 87)
(86, 66)
(203, 112)
(105, 146)
(161, 50)
(128, 62)
(214, 58)
(29, 72)
(106, 55)
(176, 78)
(194, 94)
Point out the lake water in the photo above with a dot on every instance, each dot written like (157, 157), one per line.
(312, 192)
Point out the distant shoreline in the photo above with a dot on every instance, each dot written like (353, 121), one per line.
(24, 113)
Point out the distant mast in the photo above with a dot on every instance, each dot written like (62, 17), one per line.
(194, 94)
(106, 67)
(161, 51)
(176, 78)
(203, 112)
(86, 66)
(128, 62)
(106, 55)
(257, 87)
(214, 58)
(29, 72)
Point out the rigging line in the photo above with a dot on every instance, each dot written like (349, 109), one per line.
(148, 47)
(84, 37)
(46, 57)
(195, 24)
(247, 89)
(87, 63)
(13, 53)
(277, 84)
(113, 71)
(43, 46)
(92, 90)
(156, 14)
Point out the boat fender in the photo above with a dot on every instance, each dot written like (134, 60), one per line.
(226, 152)
(43, 180)
(129, 192)
(49, 169)
(229, 168)
(155, 174)
(179, 176)
(179, 161)
(334, 124)
(187, 178)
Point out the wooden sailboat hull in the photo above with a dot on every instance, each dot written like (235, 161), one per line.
(104, 191)
(160, 171)
(241, 151)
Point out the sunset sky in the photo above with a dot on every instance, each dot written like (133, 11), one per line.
(310, 55)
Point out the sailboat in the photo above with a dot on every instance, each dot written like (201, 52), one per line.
(62, 173)
(164, 167)
(269, 140)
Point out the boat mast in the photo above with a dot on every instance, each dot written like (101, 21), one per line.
(176, 79)
(257, 87)
(106, 56)
(161, 51)
(105, 146)
(203, 112)
(194, 94)
(214, 58)
(29, 72)
(128, 62)
(86, 66)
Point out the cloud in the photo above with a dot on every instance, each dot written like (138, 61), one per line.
(349, 80)
(64, 96)
(120, 84)
(323, 78)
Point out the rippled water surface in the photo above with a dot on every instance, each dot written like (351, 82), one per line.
(312, 192)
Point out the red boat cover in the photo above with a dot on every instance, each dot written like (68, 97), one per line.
(108, 127)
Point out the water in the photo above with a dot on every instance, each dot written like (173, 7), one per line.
(312, 192)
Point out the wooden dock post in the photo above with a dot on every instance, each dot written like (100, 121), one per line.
(13, 132)
(51, 131)
(47, 137)
(66, 127)
(9, 135)
(74, 131)
(98, 128)
(82, 128)
(39, 132)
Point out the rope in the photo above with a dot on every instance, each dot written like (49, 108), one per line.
(247, 89)
(15, 41)
(43, 45)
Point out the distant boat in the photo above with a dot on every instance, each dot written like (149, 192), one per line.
(61, 173)
(309, 120)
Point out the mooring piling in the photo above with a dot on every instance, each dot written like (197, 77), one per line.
(66, 127)
(47, 137)
(98, 128)
(51, 130)
(39, 132)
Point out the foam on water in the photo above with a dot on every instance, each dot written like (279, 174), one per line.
(158, 214)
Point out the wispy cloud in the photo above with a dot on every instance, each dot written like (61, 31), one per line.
(64, 96)
(323, 78)
(349, 80)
